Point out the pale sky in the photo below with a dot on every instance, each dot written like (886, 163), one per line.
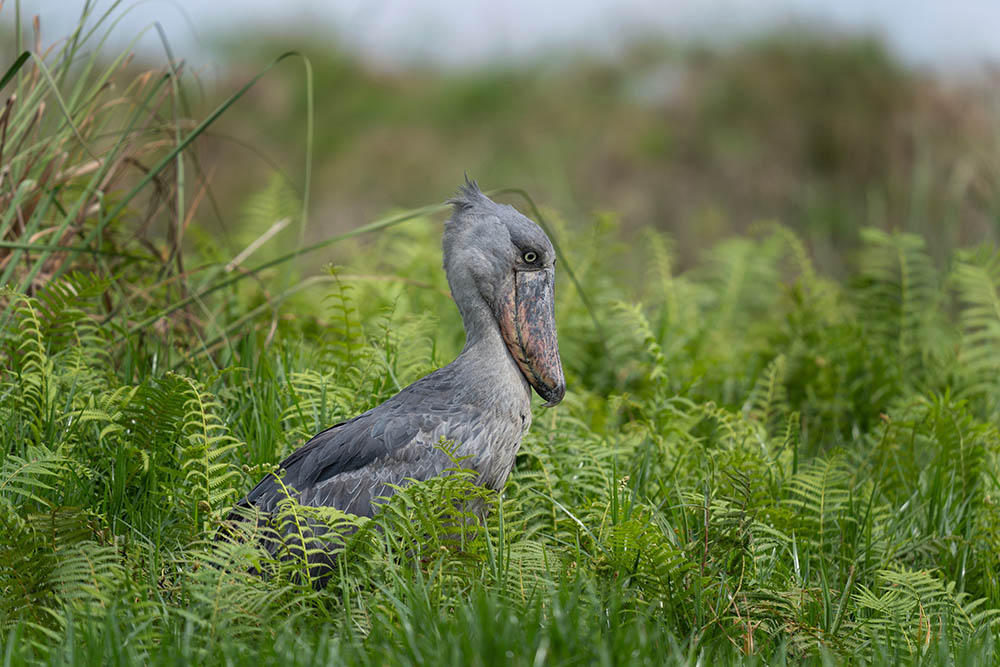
(961, 34)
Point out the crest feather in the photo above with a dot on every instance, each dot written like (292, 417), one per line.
(468, 196)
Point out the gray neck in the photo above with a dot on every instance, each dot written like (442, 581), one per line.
(482, 333)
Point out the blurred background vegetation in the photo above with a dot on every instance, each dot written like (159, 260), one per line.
(826, 135)
(823, 131)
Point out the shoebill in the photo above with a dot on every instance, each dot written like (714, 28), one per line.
(501, 271)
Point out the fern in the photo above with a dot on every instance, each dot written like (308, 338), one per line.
(50, 565)
(343, 343)
(33, 368)
(63, 308)
(900, 301)
(89, 577)
(316, 400)
(668, 291)
(29, 479)
(558, 465)
(755, 463)
(743, 285)
(819, 494)
(405, 346)
(635, 333)
(768, 401)
(267, 212)
(916, 607)
(977, 277)
(209, 479)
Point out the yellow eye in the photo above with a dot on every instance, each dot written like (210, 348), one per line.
(529, 257)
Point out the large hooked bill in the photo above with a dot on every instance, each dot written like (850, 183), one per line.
(527, 316)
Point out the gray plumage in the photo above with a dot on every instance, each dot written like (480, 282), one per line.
(481, 401)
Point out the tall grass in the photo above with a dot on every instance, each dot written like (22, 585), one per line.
(753, 464)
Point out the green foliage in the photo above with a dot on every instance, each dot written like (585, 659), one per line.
(754, 463)
(680, 492)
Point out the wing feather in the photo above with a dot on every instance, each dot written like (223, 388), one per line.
(352, 464)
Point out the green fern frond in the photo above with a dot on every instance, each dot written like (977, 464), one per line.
(30, 362)
(206, 440)
(661, 252)
(63, 306)
(50, 564)
(343, 342)
(268, 211)
(29, 479)
(819, 495)
(917, 607)
(900, 300)
(317, 400)
(743, 285)
(977, 278)
(768, 401)
(634, 331)
(88, 574)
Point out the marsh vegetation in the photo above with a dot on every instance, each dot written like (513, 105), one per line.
(764, 456)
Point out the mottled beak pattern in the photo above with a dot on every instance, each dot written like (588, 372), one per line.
(528, 325)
